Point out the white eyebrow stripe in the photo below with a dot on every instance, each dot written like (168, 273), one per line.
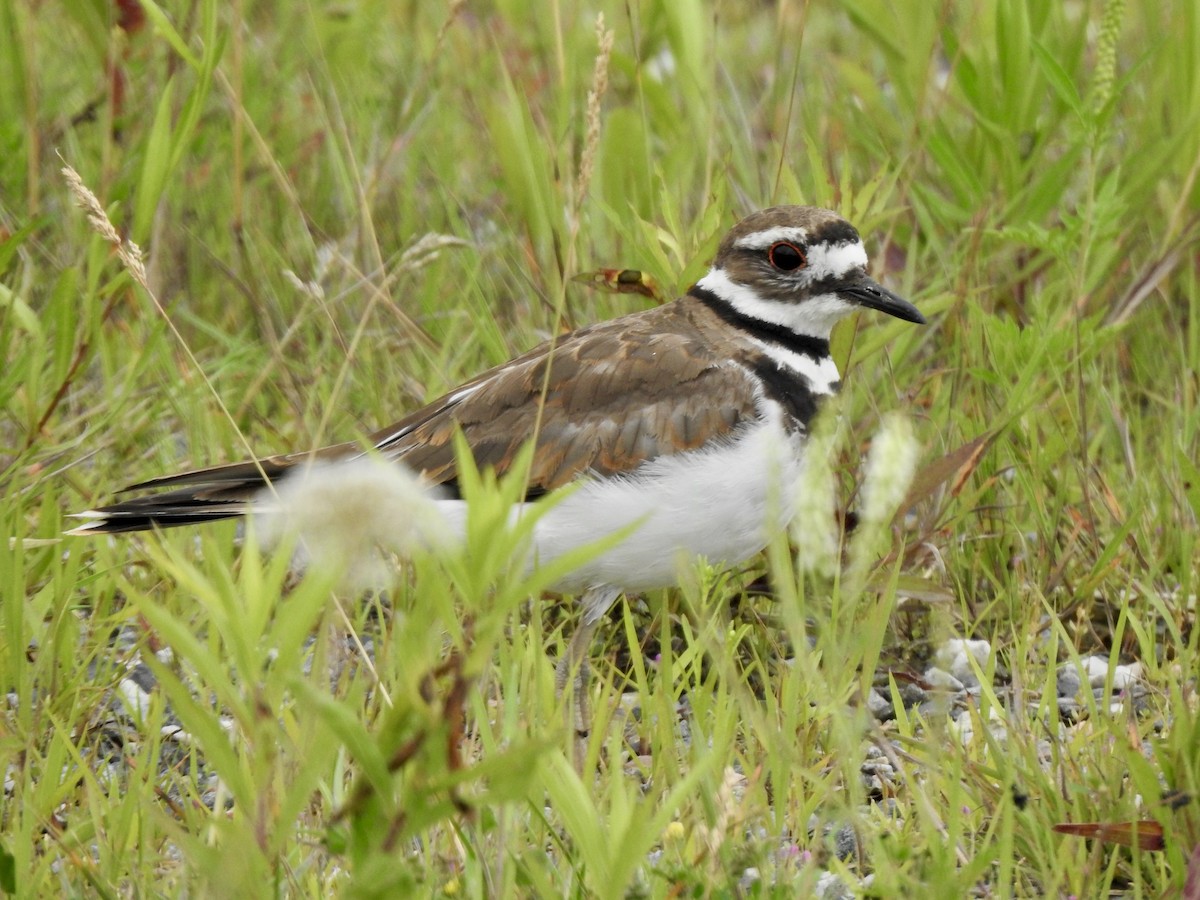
(761, 240)
(824, 260)
(836, 261)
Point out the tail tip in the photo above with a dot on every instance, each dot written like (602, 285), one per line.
(97, 519)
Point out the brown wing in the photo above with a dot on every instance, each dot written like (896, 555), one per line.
(603, 400)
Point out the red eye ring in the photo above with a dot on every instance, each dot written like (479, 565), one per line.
(786, 256)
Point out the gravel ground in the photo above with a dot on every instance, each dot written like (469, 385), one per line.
(949, 687)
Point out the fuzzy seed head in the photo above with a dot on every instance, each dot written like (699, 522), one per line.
(349, 515)
(891, 465)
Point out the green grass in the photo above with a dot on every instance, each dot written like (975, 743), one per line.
(1024, 171)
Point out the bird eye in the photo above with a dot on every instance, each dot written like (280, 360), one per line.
(786, 257)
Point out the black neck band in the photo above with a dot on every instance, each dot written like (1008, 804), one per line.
(768, 332)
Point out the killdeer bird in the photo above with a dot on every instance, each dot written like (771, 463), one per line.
(684, 424)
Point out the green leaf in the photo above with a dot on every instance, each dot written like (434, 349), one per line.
(162, 25)
(1063, 86)
(156, 165)
(21, 313)
(1191, 482)
(8, 871)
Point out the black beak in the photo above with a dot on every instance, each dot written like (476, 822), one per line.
(867, 292)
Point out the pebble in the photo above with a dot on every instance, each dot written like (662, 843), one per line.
(941, 680)
(912, 694)
(880, 706)
(955, 656)
(879, 778)
(845, 842)
(749, 877)
(1126, 676)
(964, 726)
(879, 700)
(1067, 681)
(1127, 683)
(831, 887)
(134, 700)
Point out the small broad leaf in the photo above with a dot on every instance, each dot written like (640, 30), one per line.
(8, 871)
(958, 464)
(1145, 835)
(1191, 885)
(910, 587)
(622, 281)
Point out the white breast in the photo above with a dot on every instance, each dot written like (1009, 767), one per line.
(722, 503)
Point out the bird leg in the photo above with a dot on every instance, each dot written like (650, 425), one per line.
(573, 667)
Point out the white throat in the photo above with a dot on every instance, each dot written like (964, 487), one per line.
(814, 317)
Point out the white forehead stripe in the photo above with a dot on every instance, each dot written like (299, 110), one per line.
(836, 261)
(761, 240)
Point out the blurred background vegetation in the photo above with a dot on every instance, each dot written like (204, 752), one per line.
(1026, 172)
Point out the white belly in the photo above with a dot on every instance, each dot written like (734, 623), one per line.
(723, 504)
